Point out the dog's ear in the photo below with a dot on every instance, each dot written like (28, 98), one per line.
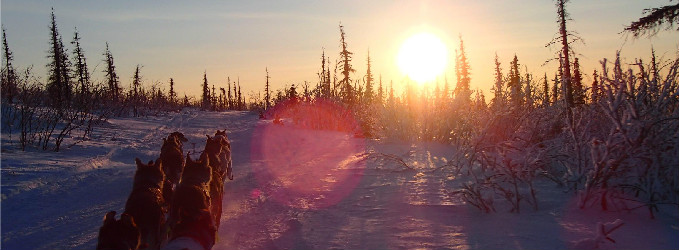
(204, 160)
(139, 164)
(110, 217)
(188, 158)
(128, 220)
(182, 137)
(150, 163)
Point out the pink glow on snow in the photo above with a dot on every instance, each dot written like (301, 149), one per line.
(303, 168)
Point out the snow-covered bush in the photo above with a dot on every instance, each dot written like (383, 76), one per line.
(633, 151)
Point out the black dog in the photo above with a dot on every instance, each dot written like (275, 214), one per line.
(146, 203)
(191, 206)
(120, 234)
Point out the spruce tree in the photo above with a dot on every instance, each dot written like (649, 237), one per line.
(514, 83)
(59, 82)
(205, 104)
(112, 80)
(655, 18)
(228, 89)
(240, 100)
(462, 90)
(578, 88)
(136, 91)
(565, 52)
(222, 97)
(368, 93)
(9, 83)
(380, 92)
(213, 98)
(235, 96)
(528, 93)
(498, 89)
(172, 94)
(555, 89)
(545, 92)
(347, 94)
(267, 94)
(324, 81)
(81, 71)
(391, 93)
(596, 92)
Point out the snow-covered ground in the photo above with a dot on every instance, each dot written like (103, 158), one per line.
(296, 189)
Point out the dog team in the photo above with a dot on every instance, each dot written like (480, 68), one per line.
(176, 202)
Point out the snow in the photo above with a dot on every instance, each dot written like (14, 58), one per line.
(299, 189)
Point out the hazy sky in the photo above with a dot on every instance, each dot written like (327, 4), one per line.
(182, 39)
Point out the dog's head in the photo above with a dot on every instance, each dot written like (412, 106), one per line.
(214, 145)
(118, 234)
(179, 136)
(150, 174)
(171, 142)
(222, 133)
(197, 172)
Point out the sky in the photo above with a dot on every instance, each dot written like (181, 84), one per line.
(241, 39)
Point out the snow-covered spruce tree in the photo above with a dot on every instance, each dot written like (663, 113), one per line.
(528, 91)
(498, 100)
(514, 83)
(462, 89)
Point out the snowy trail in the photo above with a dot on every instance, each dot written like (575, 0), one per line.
(293, 189)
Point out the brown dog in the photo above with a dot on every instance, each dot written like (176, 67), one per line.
(191, 203)
(145, 203)
(214, 148)
(225, 155)
(118, 234)
(172, 156)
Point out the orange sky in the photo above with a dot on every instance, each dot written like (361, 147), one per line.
(183, 39)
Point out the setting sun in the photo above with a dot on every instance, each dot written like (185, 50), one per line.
(422, 57)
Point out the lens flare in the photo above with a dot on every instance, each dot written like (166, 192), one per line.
(304, 168)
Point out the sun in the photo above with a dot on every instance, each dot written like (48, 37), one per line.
(422, 57)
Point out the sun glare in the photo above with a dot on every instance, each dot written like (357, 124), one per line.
(422, 57)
